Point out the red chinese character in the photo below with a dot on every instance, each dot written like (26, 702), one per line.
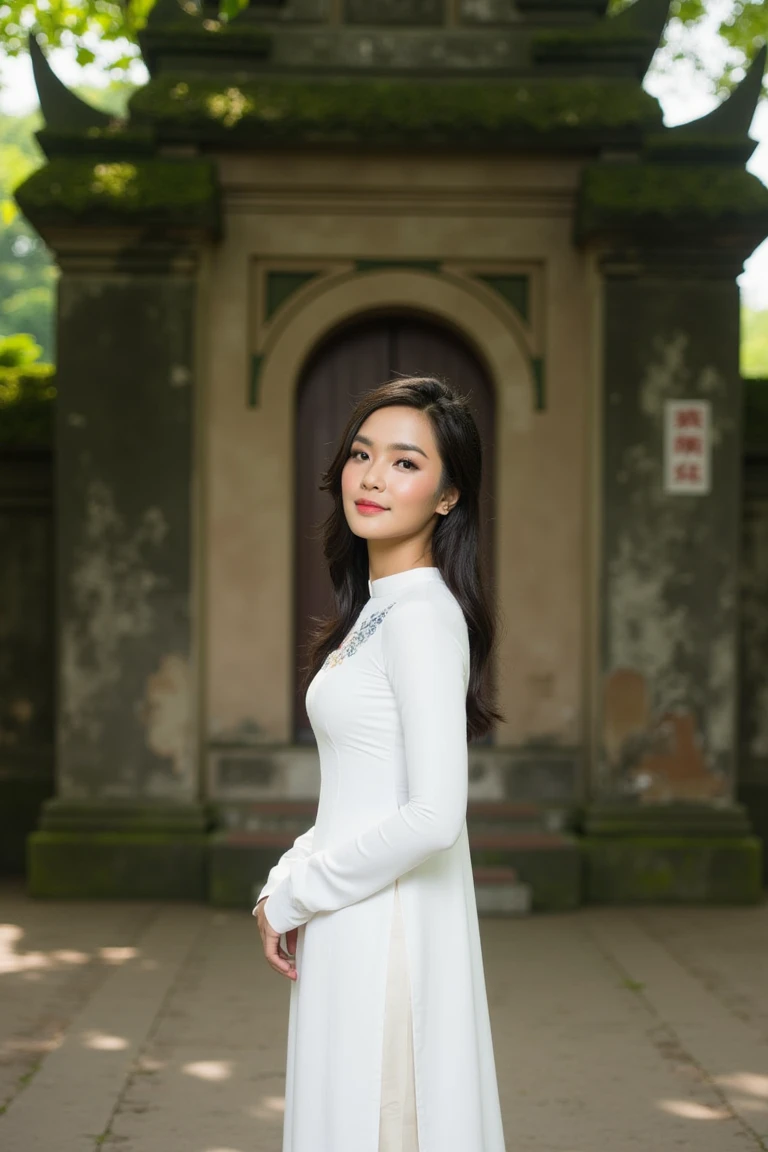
(688, 473)
(691, 445)
(688, 418)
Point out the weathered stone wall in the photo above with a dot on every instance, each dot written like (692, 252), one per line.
(670, 578)
(124, 466)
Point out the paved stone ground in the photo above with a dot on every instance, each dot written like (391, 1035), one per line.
(160, 1028)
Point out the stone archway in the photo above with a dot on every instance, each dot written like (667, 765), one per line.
(265, 538)
(350, 361)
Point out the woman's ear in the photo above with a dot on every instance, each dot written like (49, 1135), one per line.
(450, 499)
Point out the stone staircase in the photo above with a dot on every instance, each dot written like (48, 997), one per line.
(522, 857)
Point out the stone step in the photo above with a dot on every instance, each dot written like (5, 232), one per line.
(527, 838)
(490, 815)
(516, 868)
(519, 840)
(297, 815)
(499, 891)
(548, 862)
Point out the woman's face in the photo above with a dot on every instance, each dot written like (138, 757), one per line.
(394, 462)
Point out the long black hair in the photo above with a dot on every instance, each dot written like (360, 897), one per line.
(455, 550)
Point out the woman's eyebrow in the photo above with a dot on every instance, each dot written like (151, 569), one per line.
(399, 447)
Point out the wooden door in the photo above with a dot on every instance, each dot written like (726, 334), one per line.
(350, 362)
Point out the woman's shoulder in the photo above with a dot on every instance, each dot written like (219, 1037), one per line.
(425, 608)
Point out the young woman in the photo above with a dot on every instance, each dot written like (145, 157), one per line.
(389, 1038)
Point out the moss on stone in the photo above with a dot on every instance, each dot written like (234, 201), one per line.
(77, 189)
(685, 197)
(112, 865)
(649, 869)
(374, 111)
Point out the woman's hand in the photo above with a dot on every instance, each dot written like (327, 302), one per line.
(278, 959)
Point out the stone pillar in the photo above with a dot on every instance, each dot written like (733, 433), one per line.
(127, 818)
(662, 822)
(753, 667)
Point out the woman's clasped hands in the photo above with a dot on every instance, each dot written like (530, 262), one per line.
(282, 961)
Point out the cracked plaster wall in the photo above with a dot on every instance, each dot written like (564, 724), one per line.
(669, 580)
(123, 487)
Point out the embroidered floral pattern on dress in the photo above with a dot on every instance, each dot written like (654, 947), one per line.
(357, 637)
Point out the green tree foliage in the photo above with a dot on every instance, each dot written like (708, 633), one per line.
(743, 28)
(27, 274)
(754, 343)
(27, 392)
(27, 271)
(70, 21)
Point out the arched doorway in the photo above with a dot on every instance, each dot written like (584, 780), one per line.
(348, 363)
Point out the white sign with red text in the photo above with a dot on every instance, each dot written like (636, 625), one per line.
(687, 447)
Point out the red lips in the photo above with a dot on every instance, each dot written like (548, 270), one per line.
(370, 504)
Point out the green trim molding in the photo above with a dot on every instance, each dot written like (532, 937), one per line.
(281, 286)
(383, 265)
(513, 289)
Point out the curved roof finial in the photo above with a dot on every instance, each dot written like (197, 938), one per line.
(644, 18)
(733, 116)
(62, 110)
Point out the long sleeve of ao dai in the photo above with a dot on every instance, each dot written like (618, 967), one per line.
(424, 657)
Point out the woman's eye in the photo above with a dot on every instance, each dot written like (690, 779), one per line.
(356, 453)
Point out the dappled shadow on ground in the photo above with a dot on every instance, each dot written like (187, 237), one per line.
(161, 1025)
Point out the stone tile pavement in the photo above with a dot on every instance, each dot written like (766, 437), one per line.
(145, 1027)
